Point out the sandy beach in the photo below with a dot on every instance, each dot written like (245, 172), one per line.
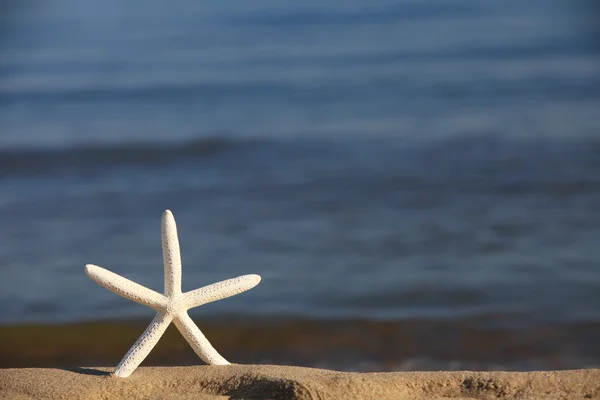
(287, 382)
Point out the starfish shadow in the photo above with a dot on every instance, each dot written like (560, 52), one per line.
(87, 371)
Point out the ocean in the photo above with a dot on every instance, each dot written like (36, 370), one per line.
(385, 162)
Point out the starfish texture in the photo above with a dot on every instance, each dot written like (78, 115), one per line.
(173, 305)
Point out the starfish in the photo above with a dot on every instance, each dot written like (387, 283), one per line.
(173, 305)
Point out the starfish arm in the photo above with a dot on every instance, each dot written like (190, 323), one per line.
(125, 288)
(171, 254)
(142, 347)
(197, 340)
(220, 290)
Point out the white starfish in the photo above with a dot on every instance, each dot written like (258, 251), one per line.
(173, 305)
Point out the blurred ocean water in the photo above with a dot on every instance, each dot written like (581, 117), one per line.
(376, 160)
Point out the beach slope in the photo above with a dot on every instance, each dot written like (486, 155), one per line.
(283, 382)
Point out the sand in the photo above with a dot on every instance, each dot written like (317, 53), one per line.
(282, 382)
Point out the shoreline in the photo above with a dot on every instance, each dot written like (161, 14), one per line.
(289, 382)
(346, 345)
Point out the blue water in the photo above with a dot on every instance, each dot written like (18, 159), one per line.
(373, 159)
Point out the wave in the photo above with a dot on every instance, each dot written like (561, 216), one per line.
(467, 162)
(371, 15)
(39, 161)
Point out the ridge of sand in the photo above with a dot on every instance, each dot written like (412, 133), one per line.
(284, 382)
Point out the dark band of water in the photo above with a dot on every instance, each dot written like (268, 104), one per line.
(346, 344)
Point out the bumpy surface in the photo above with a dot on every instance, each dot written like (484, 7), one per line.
(293, 383)
(173, 305)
